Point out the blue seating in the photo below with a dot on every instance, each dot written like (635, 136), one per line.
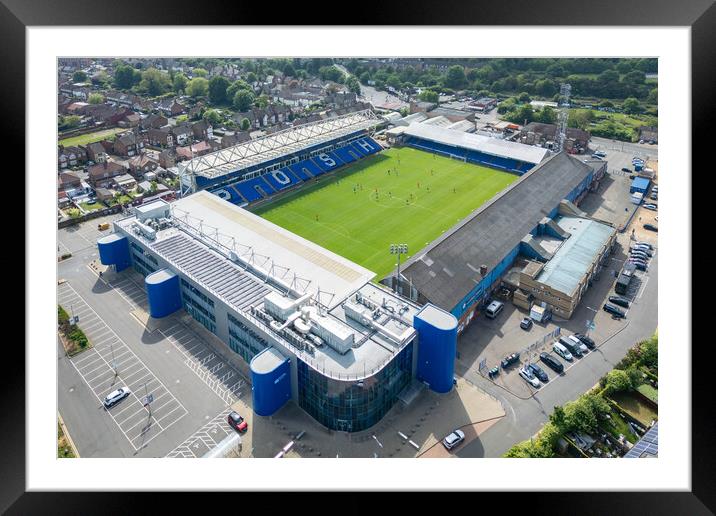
(228, 194)
(344, 153)
(254, 189)
(309, 165)
(327, 161)
(280, 179)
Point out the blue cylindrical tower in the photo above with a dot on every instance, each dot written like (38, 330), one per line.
(437, 344)
(163, 293)
(114, 250)
(271, 379)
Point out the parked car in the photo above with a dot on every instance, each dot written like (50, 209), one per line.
(643, 249)
(651, 227)
(586, 340)
(655, 188)
(599, 154)
(529, 377)
(640, 265)
(580, 345)
(453, 439)
(571, 346)
(641, 142)
(509, 360)
(562, 351)
(652, 142)
(627, 170)
(620, 301)
(526, 323)
(116, 396)
(237, 422)
(652, 207)
(639, 255)
(552, 362)
(609, 308)
(538, 372)
(654, 196)
(645, 244)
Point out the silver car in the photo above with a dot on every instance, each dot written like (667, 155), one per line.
(116, 396)
(452, 440)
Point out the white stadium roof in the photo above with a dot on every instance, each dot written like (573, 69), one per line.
(273, 248)
(478, 142)
(278, 144)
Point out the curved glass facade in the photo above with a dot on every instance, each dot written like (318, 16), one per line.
(353, 406)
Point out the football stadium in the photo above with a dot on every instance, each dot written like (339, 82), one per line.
(280, 246)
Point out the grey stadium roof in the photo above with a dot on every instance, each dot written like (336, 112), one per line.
(447, 270)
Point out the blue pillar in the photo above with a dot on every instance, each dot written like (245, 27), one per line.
(437, 345)
(271, 381)
(163, 293)
(114, 250)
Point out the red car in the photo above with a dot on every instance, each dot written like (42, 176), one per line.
(237, 422)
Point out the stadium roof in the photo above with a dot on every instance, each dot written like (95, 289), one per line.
(447, 270)
(478, 142)
(567, 267)
(273, 248)
(269, 147)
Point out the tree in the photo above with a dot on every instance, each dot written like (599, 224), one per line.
(199, 72)
(79, 76)
(251, 78)
(365, 77)
(653, 96)
(154, 82)
(580, 118)
(197, 87)
(617, 381)
(289, 70)
(545, 87)
(179, 82)
(212, 116)
(236, 86)
(353, 84)
(262, 101)
(546, 115)
(243, 99)
(217, 90)
(95, 98)
(455, 77)
(126, 76)
(634, 77)
(631, 106)
(245, 124)
(331, 73)
(524, 97)
(429, 96)
(606, 104)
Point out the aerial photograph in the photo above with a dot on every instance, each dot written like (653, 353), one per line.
(357, 257)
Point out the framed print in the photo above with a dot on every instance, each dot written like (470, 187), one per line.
(342, 256)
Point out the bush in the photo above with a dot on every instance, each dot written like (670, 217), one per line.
(618, 381)
(62, 317)
(79, 338)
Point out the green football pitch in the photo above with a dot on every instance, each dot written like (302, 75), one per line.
(401, 196)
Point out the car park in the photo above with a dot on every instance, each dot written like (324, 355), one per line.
(538, 372)
(609, 308)
(620, 301)
(573, 348)
(529, 377)
(526, 323)
(453, 439)
(116, 396)
(651, 227)
(587, 341)
(237, 422)
(652, 207)
(509, 360)
(562, 351)
(552, 362)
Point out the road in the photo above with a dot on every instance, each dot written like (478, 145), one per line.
(525, 417)
(644, 150)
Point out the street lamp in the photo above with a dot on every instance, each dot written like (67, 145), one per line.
(398, 249)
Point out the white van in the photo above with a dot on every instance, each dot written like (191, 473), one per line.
(562, 351)
(494, 309)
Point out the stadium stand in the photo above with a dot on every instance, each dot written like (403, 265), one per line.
(254, 189)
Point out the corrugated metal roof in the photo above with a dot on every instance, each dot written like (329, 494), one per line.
(478, 142)
(571, 261)
(213, 272)
(492, 231)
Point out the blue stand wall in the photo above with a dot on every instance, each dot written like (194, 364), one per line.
(163, 293)
(114, 250)
(437, 338)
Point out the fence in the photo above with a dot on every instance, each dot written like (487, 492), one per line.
(89, 216)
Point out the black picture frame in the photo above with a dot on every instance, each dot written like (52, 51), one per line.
(17, 15)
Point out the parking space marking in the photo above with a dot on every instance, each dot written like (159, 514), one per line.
(217, 426)
(152, 426)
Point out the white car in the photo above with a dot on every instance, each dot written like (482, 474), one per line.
(116, 396)
(530, 377)
(452, 440)
(650, 207)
